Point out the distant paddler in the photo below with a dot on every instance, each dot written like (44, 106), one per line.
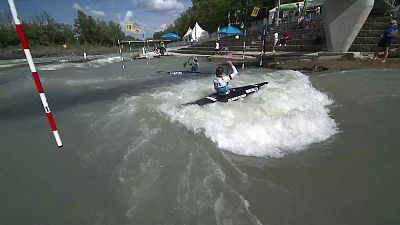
(194, 64)
(162, 48)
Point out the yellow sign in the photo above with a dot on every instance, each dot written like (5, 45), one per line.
(129, 26)
(137, 30)
(255, 11)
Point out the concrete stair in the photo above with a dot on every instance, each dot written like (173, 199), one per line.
(370, 34)
(196, 51)
(299, 48)
(233, 44)
(302, 40)
(382, 7)
(309, 39)
(366, 40)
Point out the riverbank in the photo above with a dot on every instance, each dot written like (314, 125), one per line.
(50, 51)
(318, 65)
(304, 62)
(311, 62)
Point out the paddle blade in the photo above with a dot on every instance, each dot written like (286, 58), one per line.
(184, 65)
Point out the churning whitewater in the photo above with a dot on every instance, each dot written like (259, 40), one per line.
(154, 160)
(90, 64)
(283, 117)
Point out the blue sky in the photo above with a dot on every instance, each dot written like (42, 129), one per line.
(150, 15)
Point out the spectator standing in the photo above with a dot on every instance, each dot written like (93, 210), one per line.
(318, 10)
(276, 39)
(298, 11)
(286, 37)
(391, 31)
(265, 22)
(216, 47)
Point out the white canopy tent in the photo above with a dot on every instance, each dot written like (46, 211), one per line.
(188, 35)
(198, 33)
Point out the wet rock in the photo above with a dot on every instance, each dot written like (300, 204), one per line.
(315, 68)
(274, 65)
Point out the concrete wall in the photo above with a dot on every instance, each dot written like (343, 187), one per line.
(343, 19)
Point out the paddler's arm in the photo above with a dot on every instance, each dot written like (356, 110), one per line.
(235, 72)
(395, 34)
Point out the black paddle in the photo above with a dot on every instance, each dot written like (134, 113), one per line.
(184, 64)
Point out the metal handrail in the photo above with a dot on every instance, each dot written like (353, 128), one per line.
(392, 3)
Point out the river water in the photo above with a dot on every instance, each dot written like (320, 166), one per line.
(318, 149)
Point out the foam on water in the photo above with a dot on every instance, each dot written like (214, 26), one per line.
(53, 67)
(94, 63)
(283, 117)
(92, 81)
(6, 66)
(11, 63)
(105, 61)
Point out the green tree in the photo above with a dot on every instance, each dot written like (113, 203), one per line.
(8, 36)
(51, 28)
(90, 31)
(80, 24)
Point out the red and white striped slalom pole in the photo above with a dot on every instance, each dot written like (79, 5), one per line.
(35, 75)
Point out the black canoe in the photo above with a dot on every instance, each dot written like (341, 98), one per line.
(180, 72)
(234, 94)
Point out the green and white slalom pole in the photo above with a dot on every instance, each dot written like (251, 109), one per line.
(120, 53)
(244, 48)
(304, 8)
(264, 36)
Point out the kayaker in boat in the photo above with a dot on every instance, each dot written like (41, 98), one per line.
(221, 81)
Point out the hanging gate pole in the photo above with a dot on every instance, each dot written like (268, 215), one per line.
(244, 48)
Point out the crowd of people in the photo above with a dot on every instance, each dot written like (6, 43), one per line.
(308, 19)
(160, 48)
(299, 18)
(304, 18)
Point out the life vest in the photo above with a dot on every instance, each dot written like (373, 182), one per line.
(221, 83)
(195, 67)
(221, 86)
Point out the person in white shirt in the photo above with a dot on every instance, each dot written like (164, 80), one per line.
(276, 39)
(221, 81)
(216, 47)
